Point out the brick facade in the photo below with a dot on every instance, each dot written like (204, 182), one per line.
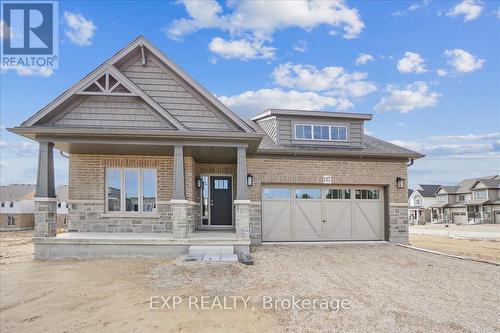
(23, 221)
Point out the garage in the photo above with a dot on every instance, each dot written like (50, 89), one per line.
(322, 213)
(459, 218)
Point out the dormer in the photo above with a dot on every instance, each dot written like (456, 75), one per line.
(313, 128)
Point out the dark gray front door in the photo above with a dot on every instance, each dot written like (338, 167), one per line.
(221, 203)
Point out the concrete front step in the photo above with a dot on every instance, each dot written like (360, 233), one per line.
(197, 250)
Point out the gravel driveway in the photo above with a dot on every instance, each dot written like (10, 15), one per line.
(391, 288)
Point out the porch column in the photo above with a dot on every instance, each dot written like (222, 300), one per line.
(179, 188)
(181, 215)
(242, 204)
(241, 175)
(45, 195)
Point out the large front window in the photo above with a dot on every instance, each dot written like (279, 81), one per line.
(130, 190)
(480, 194)
(441, 198)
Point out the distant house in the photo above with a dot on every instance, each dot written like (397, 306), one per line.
(419, 203)
(62, 206)
(474, 200)
(17, 207)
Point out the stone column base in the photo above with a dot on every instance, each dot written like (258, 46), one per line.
(242, 218)
(45, 217)
(398, 223)
(182, 222)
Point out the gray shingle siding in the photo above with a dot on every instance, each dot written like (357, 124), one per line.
(112, 111)
(270, 127)
(178, 100)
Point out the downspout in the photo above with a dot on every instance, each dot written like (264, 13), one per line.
(410, 162)
(63, 155)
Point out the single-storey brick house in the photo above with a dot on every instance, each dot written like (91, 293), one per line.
(158, 161)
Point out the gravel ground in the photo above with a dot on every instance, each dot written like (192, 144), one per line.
(391, 288)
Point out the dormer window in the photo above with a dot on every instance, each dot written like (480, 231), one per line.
(320, 132)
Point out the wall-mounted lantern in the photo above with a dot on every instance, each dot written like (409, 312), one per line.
(249, 180)
(400, 182)
(198, 182)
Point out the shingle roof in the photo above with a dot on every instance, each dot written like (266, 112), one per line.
(450, 189)
(490, 183)
(16, 192)
(62, 193)
(410, 191)
(428, 190)
(373, 147)
(466, 184)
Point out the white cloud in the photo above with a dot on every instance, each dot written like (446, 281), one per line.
(240, 49)
(462, 61)
(79, 29)
(29, 71)
(256, 21)
(251, 102)
(411, 63)
(401, 124)
(414, 6)
(413, 96)
(300, 46)
(19, 148)
(470, 9)
(441, 72)
(334, 80)
(363, 59)
(497, 13)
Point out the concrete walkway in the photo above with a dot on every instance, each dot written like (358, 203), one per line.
(480, 231)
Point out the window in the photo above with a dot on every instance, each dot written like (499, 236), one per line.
(303, 132)
(221, 184)
(480, 194)
(338, 194)
(58, 205)
(67, 205)
(11, 204)
(148, 190)
(3, 204)
(441, 198)
(418, 202)
(461, 197)
(367, 194)
(204, 199)
(277, 193)
(308, 193)
(338, 133)
(130, 190)
(320, 132)
(11, 220)
(65, 220)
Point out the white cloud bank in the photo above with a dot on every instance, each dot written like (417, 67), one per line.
(251, 24)
(413, 96)
(411, 63)
(469, 9)
(80, 30)
(462, 61)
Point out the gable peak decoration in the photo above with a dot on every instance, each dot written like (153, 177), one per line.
(106, 84)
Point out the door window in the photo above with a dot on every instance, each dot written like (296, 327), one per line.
(276, 193)
(308, 193)
(221, 184)
(338, 194)
(367, 194)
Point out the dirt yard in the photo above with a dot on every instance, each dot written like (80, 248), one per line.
(484, 250)
(390, 288)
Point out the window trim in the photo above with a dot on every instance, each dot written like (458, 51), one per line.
(480, 191)
(122, 191)
(320, 125)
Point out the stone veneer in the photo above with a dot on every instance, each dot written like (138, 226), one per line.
(398, 223)
(255, 223)
(45, 217)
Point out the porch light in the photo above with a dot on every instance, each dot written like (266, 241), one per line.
(400, 182)
(249, 180)
(198, 182)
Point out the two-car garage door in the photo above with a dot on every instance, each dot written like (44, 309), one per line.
(308, 213)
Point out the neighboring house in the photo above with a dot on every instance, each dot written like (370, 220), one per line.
(62, 206)
(17, 207)
(152, 151)
(474, 200)
(419, 203)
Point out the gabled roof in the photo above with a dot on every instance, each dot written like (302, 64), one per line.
(16, 192)
(309, 113)
(489, 183)
(410, 192)
(448, 189)
(427, 190)
(110, 66)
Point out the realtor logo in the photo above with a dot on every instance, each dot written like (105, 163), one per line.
(29, 34)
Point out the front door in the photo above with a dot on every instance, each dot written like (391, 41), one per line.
(221, 201)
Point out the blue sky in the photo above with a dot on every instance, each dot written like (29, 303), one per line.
(429, 71)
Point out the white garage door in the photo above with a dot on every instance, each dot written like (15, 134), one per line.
(308, 213)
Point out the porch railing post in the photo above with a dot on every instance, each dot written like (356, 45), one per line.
(179, 188)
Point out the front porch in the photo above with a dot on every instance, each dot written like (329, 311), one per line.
(104, 244)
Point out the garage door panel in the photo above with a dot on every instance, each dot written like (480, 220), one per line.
(307, 220)
(338, 218)
(366, 221)
(276, 219)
